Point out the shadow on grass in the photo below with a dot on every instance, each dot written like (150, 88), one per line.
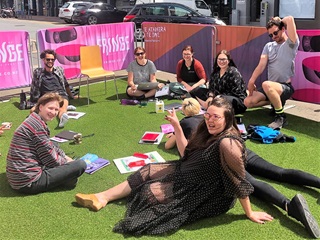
(7, 191)
(297, 124)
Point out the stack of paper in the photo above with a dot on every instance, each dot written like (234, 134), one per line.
(135, 162)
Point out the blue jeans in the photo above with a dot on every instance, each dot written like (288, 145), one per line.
(62, 176)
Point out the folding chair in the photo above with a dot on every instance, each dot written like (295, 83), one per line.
(91, 66)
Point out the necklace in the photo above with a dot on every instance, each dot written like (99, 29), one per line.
(188, 66)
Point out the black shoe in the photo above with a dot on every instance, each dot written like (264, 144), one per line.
(298, 209)
(280, 120)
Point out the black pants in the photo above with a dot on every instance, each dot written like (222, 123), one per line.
(237, 103)
(65, 176)
(264, 191)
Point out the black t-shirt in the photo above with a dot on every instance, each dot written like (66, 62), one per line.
(189, 75)
(190, 124)
(50, 83)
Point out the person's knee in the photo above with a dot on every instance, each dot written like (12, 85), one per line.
(248, 102)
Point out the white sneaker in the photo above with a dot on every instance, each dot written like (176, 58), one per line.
(63, 120)
(71, 108)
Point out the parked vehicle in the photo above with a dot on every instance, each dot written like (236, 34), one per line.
(98, 13)
(166, 12)
(197, 5)
(8, 13)
(67, 9)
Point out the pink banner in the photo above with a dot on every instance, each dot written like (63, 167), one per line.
(116, 42)
(307, 75)
(14, 59)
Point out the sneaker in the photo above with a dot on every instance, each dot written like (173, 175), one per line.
(279, 121)
(298, 208)
(63, 120)
(71, 108)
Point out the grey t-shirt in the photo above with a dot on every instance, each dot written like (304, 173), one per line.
(281, 60)
(141, 73)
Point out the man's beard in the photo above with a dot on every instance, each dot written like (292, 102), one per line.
(49, 65)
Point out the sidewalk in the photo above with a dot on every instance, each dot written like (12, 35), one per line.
(41, 18)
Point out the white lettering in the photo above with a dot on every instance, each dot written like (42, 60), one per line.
(11, 52)
(114, 44)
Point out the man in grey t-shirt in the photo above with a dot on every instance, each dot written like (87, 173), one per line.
(279, 56)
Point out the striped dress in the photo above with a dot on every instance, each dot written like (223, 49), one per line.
(30, 151)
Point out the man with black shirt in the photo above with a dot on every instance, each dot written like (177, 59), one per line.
(51, 79)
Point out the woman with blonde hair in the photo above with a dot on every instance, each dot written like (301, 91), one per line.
(191, 109)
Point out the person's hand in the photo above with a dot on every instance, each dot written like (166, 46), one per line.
(69, 159)
(76, 97)
(251, 87)
(172, 118)
(260, 217)
(169, 135)
(160, 85)
(1, 131)
(134, 88)
(188, 88)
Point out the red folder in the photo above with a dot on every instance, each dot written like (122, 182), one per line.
(150, 137)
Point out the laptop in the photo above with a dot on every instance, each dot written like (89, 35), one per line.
(147, 86)
(175, 105)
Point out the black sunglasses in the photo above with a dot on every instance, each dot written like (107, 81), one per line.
(274, 33)
(139, 54)
(50, 59)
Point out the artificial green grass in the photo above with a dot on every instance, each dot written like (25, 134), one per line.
(117, 130)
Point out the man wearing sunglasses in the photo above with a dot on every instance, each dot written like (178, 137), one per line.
(51, 79)
(278, 56)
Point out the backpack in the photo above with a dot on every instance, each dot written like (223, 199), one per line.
(268, 135)
(176, 89)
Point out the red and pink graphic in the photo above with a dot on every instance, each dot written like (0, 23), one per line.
(14, 60)
(307, 75)
(115, 40)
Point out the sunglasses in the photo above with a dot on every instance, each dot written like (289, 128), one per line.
(274, 33)
(50, 59)
(139, 54)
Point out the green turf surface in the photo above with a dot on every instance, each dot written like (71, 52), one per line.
(117, 130)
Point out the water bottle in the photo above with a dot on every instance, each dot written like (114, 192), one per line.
(159, 106)
(129, 102)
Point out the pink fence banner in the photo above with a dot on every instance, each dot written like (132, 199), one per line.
(307, 72)
(14, 60)
(115, 40)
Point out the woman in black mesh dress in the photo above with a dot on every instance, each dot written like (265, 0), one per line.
(205, 182)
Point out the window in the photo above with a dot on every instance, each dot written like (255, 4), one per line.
(201, 5)
(181, 12)
(297, 9)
